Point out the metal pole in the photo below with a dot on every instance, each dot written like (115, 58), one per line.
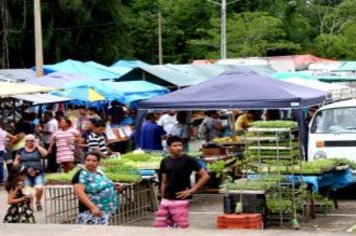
(38, 38)
(223, 30)
(160, 49)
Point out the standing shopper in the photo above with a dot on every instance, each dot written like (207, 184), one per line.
(3, 136)
(176, 188)
(50, 127)
(97, 194)
(151, 134)
(30, 156)
(65, 139)
(20, 210)
(83, 118)
(213, 126)
(22, 128)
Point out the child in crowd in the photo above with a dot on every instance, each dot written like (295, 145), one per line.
(20, 210)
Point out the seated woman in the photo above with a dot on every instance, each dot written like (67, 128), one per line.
(97, 194)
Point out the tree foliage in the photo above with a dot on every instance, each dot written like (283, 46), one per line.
(108, 30)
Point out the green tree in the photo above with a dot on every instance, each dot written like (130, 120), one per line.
(248, 34)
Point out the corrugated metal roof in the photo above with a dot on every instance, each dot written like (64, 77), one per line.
(208, 71)
(168, 77)
(347, 66)
(16, 75)
(11, 89)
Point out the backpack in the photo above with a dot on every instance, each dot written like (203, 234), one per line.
(203, 131)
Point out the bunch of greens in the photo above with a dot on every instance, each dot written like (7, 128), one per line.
(272, 153)
(61, 177)
(195, 154)
(218, 168)
(276, 205)
(264, 183)
(274, 124)
(136, 160)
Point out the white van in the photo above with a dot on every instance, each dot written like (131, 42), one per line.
(332, 131)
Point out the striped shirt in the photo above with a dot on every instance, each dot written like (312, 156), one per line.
(97, 141)
(65, 144)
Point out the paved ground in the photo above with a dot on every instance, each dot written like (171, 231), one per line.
(204, 209)
(77, 230)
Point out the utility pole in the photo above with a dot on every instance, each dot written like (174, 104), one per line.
(223, 44)
(38, 38)
(160, 49)
(223, 30)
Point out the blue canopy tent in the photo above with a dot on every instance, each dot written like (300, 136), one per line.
(80, 68)
(122, 92)
(129, 63)
(102, 88)
(240, 89)
(137, 90)
(121, 70)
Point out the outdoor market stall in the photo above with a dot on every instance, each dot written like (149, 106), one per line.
(239, 89)
(7, 104)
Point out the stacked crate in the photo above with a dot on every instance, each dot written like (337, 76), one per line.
(240, 221)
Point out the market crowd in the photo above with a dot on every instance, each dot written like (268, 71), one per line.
(56, 141)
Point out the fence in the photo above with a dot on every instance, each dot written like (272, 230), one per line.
(136, 201)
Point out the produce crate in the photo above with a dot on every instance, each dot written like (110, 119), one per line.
(213, 151)
(136, 202)
(240, 221)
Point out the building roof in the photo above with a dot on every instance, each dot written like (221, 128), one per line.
(347, 66)
(161, 75)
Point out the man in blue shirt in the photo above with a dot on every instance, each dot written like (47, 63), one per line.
(151, 134)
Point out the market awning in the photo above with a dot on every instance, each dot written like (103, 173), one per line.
(238, 89)
(56, 79)
(38, 99)
(16, 75)
(11, 89)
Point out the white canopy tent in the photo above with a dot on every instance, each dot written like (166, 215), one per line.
(8, 89)
(38, 99)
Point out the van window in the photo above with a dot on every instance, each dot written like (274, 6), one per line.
(338, 120)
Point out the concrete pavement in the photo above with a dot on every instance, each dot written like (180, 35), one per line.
(203, 212)
(77, 230)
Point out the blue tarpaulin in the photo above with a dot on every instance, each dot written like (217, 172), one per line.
(333, 180)
(129, 63)
(123, 92)
(121, 70)
(137, 90)
(56, 79)
(80, 68)
(238, 89)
